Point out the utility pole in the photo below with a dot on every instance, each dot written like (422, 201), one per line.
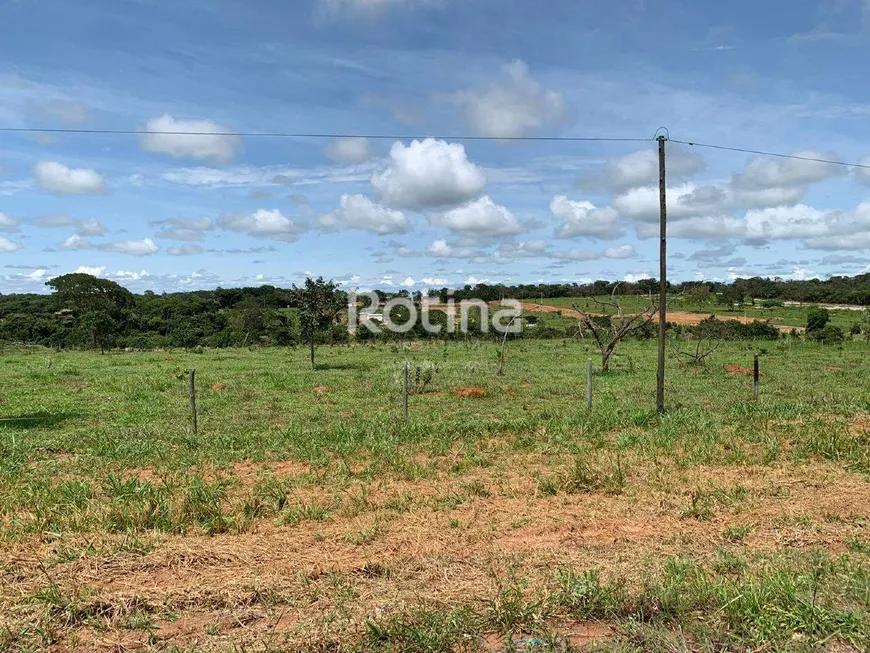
(663, 272)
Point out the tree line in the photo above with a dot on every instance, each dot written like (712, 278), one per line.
(89, 312)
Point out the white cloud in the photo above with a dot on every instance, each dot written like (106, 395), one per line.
(264, 223)
(184, 250)
(482, 217)
(349, 151)
(763, 173)
(89, 227)
(144, 247)
(193, 139)
(584, 219)
(7, 223)
(513, 106)
(124, 275)
(634, 278)
(93, 271)
(433, 281)
(641, 168)
(8, 246)
(92, 228)
(359, 212)
(408, 282)
(428, 174)
(59, 179)
(621, 252)
(440, 248)
(183, 228)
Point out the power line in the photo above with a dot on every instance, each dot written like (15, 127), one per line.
(778, 155)
(397, 137)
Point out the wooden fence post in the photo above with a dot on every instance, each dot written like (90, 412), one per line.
(193, 398)
(755, 375)
(589, 383)
(405, 393)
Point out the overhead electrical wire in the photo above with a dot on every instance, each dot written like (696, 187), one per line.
(397, 137)
(778, 155)
(404, 137)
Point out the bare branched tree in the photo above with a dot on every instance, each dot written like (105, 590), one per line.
(704, 348)
(610, 332)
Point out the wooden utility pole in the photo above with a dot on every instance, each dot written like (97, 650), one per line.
(663, 272)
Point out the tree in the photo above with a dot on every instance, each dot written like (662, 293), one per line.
(730, 296)
(98, 305)
(817, 319)
(699, 295)
(319, 304)
(609, 331)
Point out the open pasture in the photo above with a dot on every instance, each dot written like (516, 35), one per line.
(306, 515)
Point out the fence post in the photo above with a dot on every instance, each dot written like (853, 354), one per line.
(405, 393)
(588, 383)
(755, 375)
(193, 398)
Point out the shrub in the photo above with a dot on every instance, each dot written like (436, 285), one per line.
(817, 319)
(771, 303)
(829, 335)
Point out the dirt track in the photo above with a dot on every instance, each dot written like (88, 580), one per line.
(677, 317)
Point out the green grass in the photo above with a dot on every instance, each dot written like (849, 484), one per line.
(98, 460)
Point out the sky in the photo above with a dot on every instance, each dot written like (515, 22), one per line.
(423, 206)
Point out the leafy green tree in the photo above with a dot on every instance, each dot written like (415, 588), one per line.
(730, 296)
(817, 319)
(99, 306)
(319, 304)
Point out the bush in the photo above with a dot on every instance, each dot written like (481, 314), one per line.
(714, 329)
(855, 329)
(771, 303)
(829, 335)
(817, 319)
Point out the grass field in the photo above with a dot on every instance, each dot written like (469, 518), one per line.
(305, 515)
(790, 316)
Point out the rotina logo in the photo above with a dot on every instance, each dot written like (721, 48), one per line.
(401, 315)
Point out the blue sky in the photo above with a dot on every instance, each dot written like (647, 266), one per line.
(171, 212)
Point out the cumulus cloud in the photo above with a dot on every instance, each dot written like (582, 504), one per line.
(428, 174)
(641, 168)
(623, 251)
(93, 271)
(183, 228)
(480, 218)
(359, 212)
(8, 223)
(264, 223)
(192, 139)
(8, 246)
(59, 179)
(144, 247)
(584, 219)
(763, 173)
(349, 151)
(512, 106)
(187, 249)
